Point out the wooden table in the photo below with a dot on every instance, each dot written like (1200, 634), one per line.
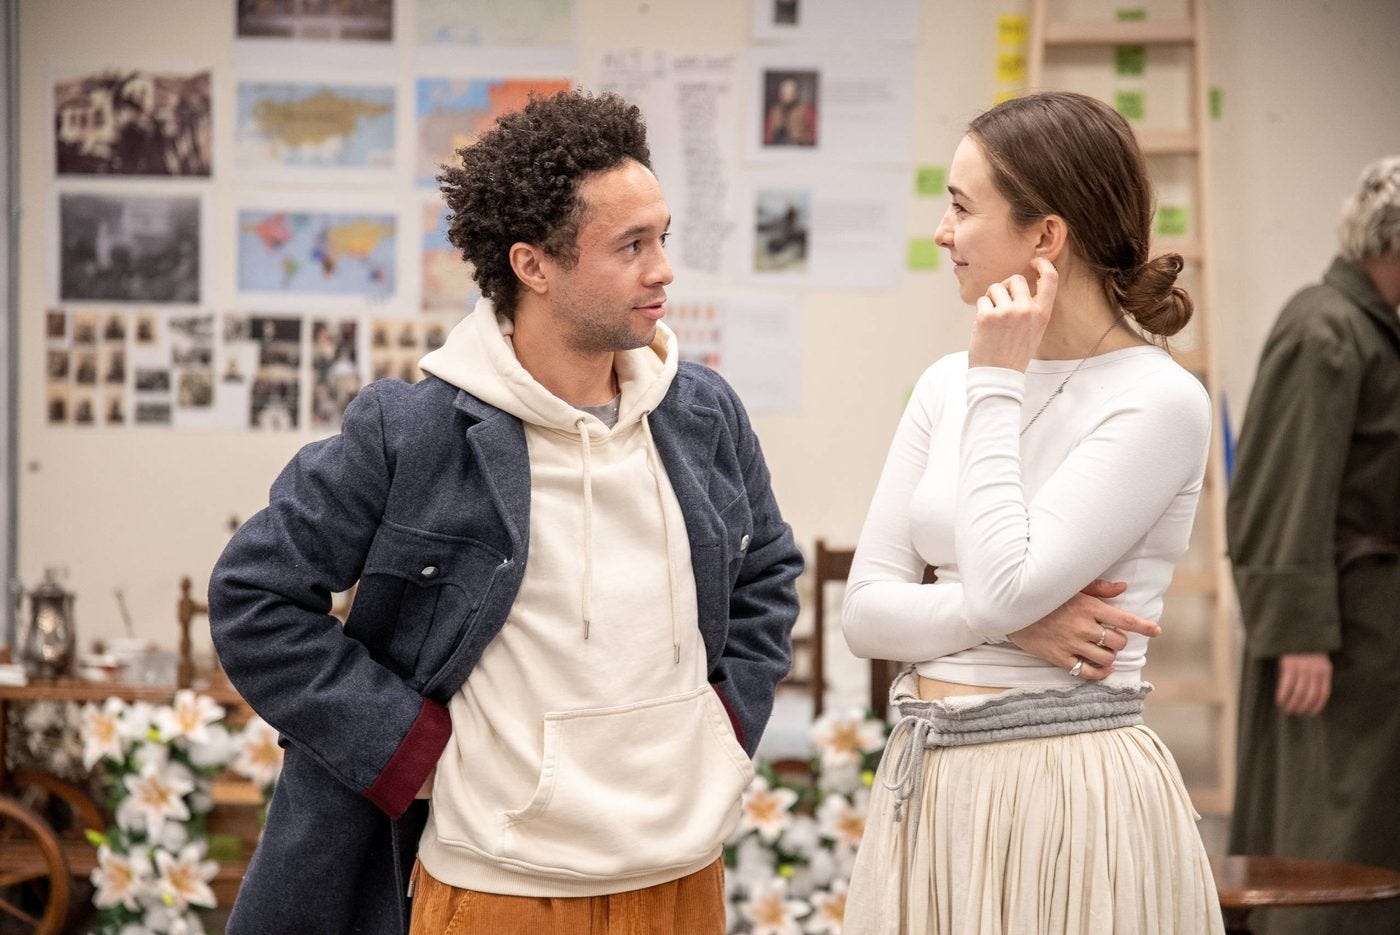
(97, 692)
(1248, 882)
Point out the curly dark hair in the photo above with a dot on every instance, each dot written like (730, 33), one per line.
(519, 182)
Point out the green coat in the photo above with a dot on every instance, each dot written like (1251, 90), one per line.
(1313, 524)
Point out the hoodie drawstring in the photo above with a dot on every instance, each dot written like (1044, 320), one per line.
(582, 425)
(655, 462)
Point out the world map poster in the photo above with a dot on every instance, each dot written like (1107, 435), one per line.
(452, 113)
(300, 125)
(317, 252)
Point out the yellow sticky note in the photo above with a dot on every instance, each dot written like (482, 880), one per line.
(1011, 68)
(1171, 220)
(923, 253)
(930, 181)
(1013, 29)
(1131, 14)
(1003, 96)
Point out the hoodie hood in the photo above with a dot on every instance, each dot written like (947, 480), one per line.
(479, 357)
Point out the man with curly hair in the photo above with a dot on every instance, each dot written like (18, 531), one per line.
(575, 587)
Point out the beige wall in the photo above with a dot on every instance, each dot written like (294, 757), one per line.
(1309, 96)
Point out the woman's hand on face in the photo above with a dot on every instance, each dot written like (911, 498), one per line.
(1011, 319)
(1074, 630)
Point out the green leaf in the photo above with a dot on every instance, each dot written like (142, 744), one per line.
(96, 838)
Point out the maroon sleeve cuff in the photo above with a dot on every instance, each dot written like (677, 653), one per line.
(413, 761)
(729, 710)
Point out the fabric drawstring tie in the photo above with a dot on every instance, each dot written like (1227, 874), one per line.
(655, 463)
(587, 443)
(907, 779)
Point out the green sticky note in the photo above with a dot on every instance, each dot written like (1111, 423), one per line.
(1217, 103)
(930, 181)
(923, 253)
(1130, 104)
(1129, 59)
(1132, 14)
(1171, 220)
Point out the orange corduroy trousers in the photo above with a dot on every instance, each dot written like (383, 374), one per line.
(692, 905)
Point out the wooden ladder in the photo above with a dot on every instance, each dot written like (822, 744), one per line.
(1203, 576)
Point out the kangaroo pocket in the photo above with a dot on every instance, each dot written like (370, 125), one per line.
(631, 790)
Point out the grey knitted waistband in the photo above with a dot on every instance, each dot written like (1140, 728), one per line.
(1027, 713)
(1019, 714)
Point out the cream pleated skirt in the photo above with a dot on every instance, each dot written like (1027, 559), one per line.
(1085, 834)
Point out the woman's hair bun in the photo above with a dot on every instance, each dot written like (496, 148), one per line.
(1152, 297)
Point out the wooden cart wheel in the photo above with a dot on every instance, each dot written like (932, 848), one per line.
(67, 808)
(33, 873)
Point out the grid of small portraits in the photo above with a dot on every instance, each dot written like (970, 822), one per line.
(197, 369)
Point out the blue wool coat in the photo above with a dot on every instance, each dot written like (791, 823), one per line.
(424, 499)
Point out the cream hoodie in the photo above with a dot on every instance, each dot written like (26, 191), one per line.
(589, 754)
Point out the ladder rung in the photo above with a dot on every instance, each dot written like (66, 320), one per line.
(1178, 691)
(1211, 800)
(1193, 582)
(1190, 250)
(1111, 32)
(1167, 142)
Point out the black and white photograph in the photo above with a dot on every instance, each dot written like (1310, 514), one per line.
(195, 388)
(781, 229)
(269, 347)
(317, 20)
(128, 248)
(335, 370)
(84, 408)
(57, 365)
(153, 412)
(55, 325)
(152, 380)
(133, 122)
(114, 402)
(85, 368)
(85, 329)
(56, 404)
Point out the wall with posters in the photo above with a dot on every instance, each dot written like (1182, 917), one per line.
(228, 223)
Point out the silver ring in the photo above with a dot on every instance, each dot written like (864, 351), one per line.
(1102, 636)
(1075, 669)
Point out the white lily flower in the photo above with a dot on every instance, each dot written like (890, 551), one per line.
(770, 912)
(765, 810)
(183, 880)
(754, 865)
(819, 872)
(189, 717)
(136, 721)
(173, 836)
(120, 879)
(828, 911)
(843, 819)
(215, 750)
(101, 732)
(156, 796)
(802, 837)
(847, 738)
(168, 920)
(259, 757)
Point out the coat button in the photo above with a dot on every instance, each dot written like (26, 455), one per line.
(429, 571)
(744, 543)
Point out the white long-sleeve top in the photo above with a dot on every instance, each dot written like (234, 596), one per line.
(1103, 485)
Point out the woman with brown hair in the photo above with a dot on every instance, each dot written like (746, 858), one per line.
(1050, 475)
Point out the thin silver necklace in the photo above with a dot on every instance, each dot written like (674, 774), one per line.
(1061, 388)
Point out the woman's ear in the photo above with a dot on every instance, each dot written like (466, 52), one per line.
(1051, 236)
(530, 265)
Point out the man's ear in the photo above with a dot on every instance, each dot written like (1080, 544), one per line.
(1052, 233)
(531, 266)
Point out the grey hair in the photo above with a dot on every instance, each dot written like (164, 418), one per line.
(1370, 223)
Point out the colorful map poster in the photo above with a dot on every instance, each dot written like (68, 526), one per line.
(535, 23)
(447, 278)
(452, 113)
(305, 125)
(133, 123)
(316, 252)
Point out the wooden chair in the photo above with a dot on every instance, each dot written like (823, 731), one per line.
(830, 566)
